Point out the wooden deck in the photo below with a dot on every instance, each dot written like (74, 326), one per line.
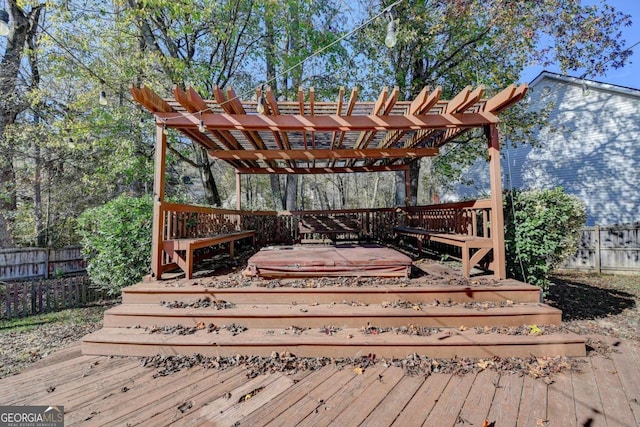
(101, 390)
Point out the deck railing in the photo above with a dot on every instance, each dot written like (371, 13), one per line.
(179, 221)
(469, 218)
(187, 221)
(272, 227)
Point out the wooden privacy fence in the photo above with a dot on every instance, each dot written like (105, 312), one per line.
(29, 263)
(609, 249)
(20, 299)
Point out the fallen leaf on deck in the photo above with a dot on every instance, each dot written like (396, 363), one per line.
(358, 370)
(250, 394)
(185, 406)
(535, 330)
(483, 364)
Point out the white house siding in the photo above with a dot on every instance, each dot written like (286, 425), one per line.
(591, 148)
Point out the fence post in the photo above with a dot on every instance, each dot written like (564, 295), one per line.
(596, 230)
(46, 263)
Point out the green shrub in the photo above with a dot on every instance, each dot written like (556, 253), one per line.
(116, 240)
(543, 233)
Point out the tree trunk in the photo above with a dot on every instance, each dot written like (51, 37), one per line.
(400, 189)
(374, 196)
(37, 191)
(414, 181)
(291, 193)
(206, 175)
(276, 192)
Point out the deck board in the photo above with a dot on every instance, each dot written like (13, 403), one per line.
(447, 408)
(506, 401)
(371, 398)
(561, 409)
(478, 402)
(343, 399)
(423, 401)
(386, 412)
(627, 365)
(277, 406)
(616, 403)
(72, 376)
(589, 410)
(314, 400)
(239, 410)
(137, 392)
(533, 402)
(602, 394)
(208, 388)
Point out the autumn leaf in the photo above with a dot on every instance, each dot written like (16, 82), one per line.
(535, 330)
(358, 370)
(416, 307)
(483, 364)
(200, 325)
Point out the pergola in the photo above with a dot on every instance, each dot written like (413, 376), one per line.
(307, 136)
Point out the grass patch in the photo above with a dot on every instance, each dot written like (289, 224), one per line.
(81, 315)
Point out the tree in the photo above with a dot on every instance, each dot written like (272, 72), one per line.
(453, 44)
(22, 35)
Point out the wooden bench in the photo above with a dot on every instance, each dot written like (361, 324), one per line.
(181, 250)
(327, 225)
(480, 245)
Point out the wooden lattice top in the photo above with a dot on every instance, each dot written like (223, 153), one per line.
(308, 136)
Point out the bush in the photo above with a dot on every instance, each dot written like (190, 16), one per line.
(543, 233)
(116, 240)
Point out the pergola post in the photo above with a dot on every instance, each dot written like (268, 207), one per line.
(158, 200)
(497, 217)
(238, 191)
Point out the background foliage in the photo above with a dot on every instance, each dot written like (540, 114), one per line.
(541, 231)
(63, 153)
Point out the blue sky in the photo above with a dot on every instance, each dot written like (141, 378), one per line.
(629, 75)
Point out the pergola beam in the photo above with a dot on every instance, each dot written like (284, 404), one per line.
(248, 122)
(363, 154)
(321, 170)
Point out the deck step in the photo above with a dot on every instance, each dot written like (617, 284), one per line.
(349, 342)
(148, 293)
(339, 315)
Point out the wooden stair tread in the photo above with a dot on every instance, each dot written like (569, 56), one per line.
(327, 294)
(153, 288)
(342, 315)
(345, 336)
(328, 310)
(345, 342)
